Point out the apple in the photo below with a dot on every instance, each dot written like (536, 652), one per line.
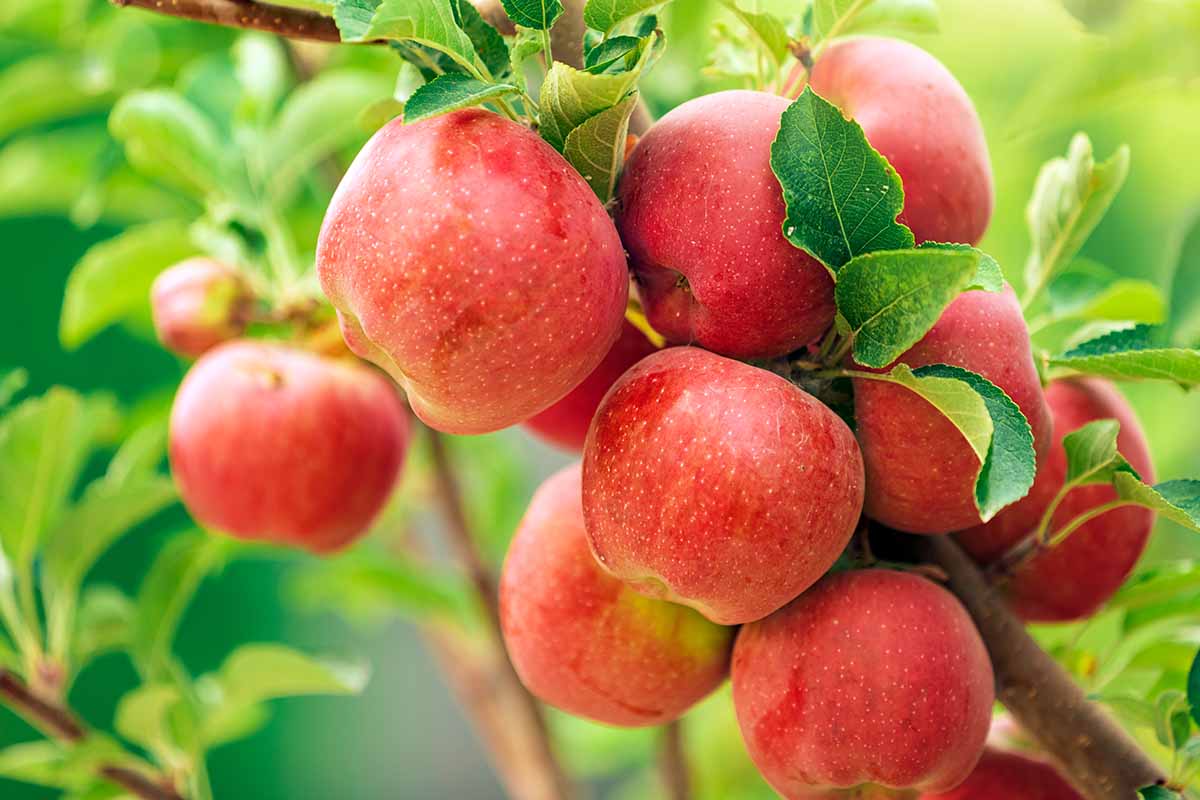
(586, 643)
(920, 469)
(718, 485)
(1010, 776)
(197, 304)
(276, 444)
(870, 680)
(468, 259)
(1079, 575)
(566, 422)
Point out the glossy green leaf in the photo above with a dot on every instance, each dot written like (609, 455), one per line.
(536, 14)
(596, 149)
(1158, 584)
(450, 92)
(1133, 354)
(1070, 197)
(489, 44)
(525, 45)
(260, 63)
(1092, 455)
(1185, 286)
(609, 52)
(1157, 793)
(891, 298)
(604, 15)
(430, 23)
(1089, 291)
(954, 398)
(1193, 688)
(1007, 472)
(1177, 500)
(769, 30)
(842, 196)
(112, 280)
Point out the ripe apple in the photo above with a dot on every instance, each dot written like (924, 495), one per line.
(566, 422)
(920, 470)
(197, 304)
(1075, 578)
(871, 679)
(718, 485)
(585, 642)
(1010, 776)
(276, 444)
(467, 258)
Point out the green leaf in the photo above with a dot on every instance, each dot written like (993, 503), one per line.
(1193, 689)
(141, 452)
(450, 92)
(596, 149)
(842, 17)
(1007, 472)
(49, 763)
(1092, 455)
(430, 23)
(168, 138)
(891, 298)
(570, 97)
(1185, 286)
(261, 65)
(1159, 584)
(600, 58)
(1070, 197)
(769, 31)
(12, 383)
(105, 623)
(536, 14)
(604, 15)
(143, 717)
(1089, 291)
(989, 276)
(318, 119)
(44, 443)
(1157, 793)
(112, 280)
(842, 196)
(372, 589)
(1177, 500)
(1133, 354)
(1172, 723)
(489, 44)
(526, 44)
(49, 87)
(955, 399)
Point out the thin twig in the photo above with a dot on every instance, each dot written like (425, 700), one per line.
(673, 764)
(293, 23)
(59, 723)
(449, 497)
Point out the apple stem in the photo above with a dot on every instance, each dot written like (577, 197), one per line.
(60, 723)
(463, 543)
(673, 764)
(1098, 755)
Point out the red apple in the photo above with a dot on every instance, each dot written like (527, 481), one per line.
(469, 260)
(566, 422)
(1074, 579)
(918, 116)
(1010, 776)
(718, 485)
(585, 642)
(920, 470)
(197, 304)
(871, 679)
(276, 444)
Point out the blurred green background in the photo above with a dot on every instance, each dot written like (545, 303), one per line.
(1038, 71)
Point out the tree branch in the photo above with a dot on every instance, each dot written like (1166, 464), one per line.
(1099, 757)
(672, 762)
(449, 498)
(293, 23)
(59, 723)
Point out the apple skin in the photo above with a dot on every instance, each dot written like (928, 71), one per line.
(1074, 579)
(718, 485)
(276, 444)
(870, 677)
(197, 304)
(701, 214)
(920, 470)
(566, 422)
(914, 112)
(586, 643)
(466, 258)
(1010, 776)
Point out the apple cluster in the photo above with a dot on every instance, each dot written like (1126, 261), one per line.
(704, 530)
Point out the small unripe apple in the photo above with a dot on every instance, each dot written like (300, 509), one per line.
(470, 261)
(197, 304)
(718, 485)
(276, 444)
(1076, 577)
(585, 642)
(1010, 776)
(566, 422)
(870, 680)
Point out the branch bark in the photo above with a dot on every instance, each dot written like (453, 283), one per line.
(672, 762)
(1099, 757)
(59, 723)
(290, 22)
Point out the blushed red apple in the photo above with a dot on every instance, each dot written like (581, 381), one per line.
(566, 422)
(870, 680)
(585, 642)
(717, 484)
(1075, 578)
(197, 304)
(1010, 776)
(276, 444)
(920, 470)
(469, 260)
